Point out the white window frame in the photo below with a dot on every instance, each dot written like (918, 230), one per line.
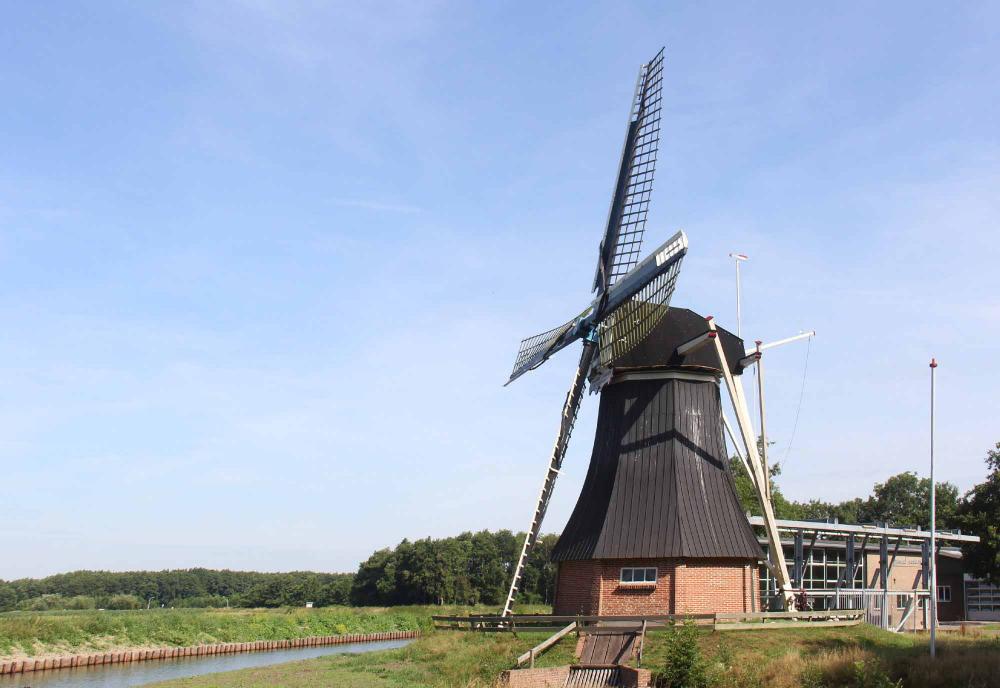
(941, 589)
(632, 569)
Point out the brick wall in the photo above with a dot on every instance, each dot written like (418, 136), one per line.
(706, 585)
(636, 678)
(683, 586)
(534, 678)
(578, 587)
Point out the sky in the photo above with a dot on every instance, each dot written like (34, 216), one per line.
(264, 266)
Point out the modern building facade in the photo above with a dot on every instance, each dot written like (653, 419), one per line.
(880, 568)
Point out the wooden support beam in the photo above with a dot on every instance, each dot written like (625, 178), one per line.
(742, 413)
(693, 345)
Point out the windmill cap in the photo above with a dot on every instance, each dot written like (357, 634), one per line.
(679, 325)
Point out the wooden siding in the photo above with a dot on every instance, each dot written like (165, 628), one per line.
(658, 484)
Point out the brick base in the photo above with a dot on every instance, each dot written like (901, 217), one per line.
(553, 677)
(683, 586)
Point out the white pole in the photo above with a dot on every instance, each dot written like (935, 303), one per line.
(763, 421)
(739, 314)
(933, 561)
(738, 258)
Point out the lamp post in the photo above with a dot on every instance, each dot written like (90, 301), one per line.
(738, 258)
(933, 561)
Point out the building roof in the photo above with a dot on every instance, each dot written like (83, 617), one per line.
(872, 546)
(870, 529)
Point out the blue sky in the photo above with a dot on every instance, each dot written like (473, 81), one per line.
(265, 264)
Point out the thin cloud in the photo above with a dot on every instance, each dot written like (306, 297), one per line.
(378, 206)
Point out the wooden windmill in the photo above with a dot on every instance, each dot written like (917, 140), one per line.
(658, 511)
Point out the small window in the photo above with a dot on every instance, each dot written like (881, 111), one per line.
(638, 575)
(944, 593)
(902, 601)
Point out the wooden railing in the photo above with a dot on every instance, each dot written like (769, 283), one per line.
(549, 623)
(541, 647)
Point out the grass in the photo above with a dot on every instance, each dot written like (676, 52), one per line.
(35, 634)
(786, 658)
(854, 657)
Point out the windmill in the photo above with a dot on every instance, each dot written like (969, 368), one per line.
(631, 302)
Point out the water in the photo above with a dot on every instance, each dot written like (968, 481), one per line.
(140, 673)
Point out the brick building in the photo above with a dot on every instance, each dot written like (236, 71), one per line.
(658, 528)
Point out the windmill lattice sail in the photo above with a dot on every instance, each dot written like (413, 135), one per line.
(626, 226)
(536, 349)
(566, 423)
(635, 319)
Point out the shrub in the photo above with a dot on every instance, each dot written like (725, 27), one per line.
(43, 603)
(123, 602)
(80, 602)
(684, 667)
(200, 602)
(870, 675)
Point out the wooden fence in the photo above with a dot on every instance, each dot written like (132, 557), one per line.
(548, 623)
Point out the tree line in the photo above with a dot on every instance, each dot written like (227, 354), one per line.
(475, 568)
(179, 588)
(472, 568)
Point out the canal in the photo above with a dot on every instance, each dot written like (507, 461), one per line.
(141, 673)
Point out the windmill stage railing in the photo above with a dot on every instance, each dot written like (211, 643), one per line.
(892, 610)
(604, 624)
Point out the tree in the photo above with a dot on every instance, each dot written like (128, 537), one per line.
(8, 597)
(979, 513)
(904, 500)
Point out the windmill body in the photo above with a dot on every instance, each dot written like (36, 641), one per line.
(659, 497)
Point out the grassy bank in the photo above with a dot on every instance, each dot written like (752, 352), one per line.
(37, 634)
(858, 657)
(855, 657)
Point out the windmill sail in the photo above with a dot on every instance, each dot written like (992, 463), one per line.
(634, 317)
(566, 423)
(622, 243)
(536, 349)
(645, 291)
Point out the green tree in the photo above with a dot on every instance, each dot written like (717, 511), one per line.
(979, 513)
(8, 597)
(747, 494)
(905, 499)
(684, 666)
